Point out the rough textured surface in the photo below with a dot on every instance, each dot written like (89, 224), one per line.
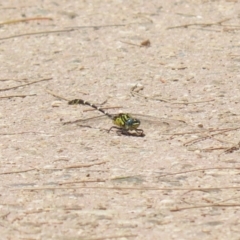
(73, 182)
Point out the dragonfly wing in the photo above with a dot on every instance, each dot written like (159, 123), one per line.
(163, 125)
(148, 123)
(89, 121)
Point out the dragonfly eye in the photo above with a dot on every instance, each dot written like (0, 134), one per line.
(133, 123)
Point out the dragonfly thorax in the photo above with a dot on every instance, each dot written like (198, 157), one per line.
(126, 121)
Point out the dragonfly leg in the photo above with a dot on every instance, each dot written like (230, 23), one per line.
(119, 130)
(140, 132)
(122, 131)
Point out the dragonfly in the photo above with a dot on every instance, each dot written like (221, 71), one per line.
(125, 123)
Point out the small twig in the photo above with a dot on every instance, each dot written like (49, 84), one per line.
(137, 88)
(5, 215)
(146, 97)
(20, 171)
(36, 33)
(128, 188)
(19, 133)
(186, 103)
(77, 166)
(200, 169)
(25, 20)
(65, 30)
(6, 79)
(85, 165)
(212, 149)
(13, 96)
(83, 181)
(209, 136)
(145, 43)
(168, 101)
(231, 28)
(200, 24)
(233, 149)
(193, 141)
(124, 236)
(109, 25)
(227, 199)
(202, 131)
(207, 29)
(131, 43)
(205, 206)
(26, 84)
(56, 95)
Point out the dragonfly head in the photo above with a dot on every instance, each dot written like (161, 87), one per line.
(132, 123)
(126, 121)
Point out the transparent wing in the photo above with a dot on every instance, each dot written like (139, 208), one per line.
(148, 123)
(161, 125)
(90, 120)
